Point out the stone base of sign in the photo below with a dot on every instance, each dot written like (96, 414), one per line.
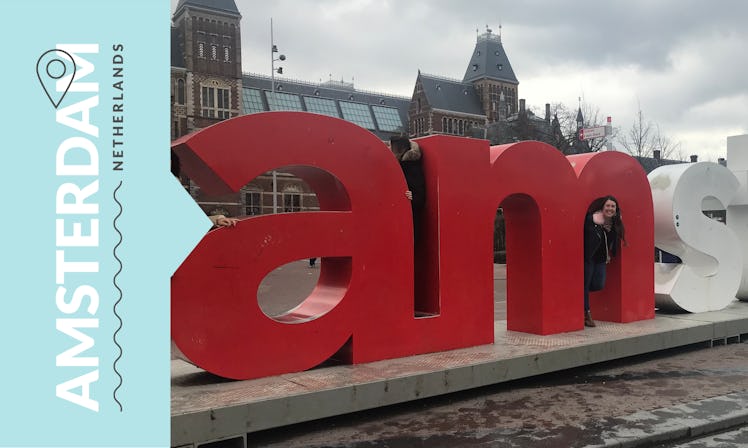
(205, 408)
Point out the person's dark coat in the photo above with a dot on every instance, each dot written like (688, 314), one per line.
(412, 165)
(594, 241)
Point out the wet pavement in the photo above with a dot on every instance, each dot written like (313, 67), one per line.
(641, 401)
(727, 439)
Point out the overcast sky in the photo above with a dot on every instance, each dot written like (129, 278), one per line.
(682, 62)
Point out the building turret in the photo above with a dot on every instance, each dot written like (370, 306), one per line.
(206, 64)
(491, 73)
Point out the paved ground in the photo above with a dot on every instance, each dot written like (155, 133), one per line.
(727, 439)
(638, 401)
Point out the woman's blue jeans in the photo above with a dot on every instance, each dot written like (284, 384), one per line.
(594, 280)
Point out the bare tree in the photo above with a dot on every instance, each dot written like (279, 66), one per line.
(639, 139)
(668, 149)
(591, 117)
(645, 137)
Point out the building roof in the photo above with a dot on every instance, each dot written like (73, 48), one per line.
(451, 95)
(650, 163)
(381, 113)
(489, 60)
(217, 5)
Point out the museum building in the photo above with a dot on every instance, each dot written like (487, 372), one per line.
(208, 85)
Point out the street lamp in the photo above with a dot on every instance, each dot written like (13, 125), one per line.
(273, 59)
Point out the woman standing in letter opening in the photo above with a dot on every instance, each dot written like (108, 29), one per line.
(603, 228)
(408, 154)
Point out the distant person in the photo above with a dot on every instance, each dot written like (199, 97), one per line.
(312, 262)
(408, 154)
(217, 220)
(603, 228)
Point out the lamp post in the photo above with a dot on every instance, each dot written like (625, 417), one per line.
(273, 59)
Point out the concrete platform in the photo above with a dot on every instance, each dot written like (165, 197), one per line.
(208, 409)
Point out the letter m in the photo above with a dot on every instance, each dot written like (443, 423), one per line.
(83, 68)
(70, 357)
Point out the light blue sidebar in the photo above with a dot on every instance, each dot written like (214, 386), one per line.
(93, 224)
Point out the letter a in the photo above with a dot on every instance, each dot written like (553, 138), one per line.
(84, 382)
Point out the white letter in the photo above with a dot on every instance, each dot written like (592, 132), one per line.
(84, 382)
(78, 207)
(737, 211)
(63, 267)
(89, 169)
(68, 357)
(80, 292)
(77, 239)
(83, 68)
(712, 262)
(84, 124)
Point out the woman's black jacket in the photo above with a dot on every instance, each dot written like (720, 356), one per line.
(594, 238)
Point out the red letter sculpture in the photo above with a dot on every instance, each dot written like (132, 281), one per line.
(366, 306)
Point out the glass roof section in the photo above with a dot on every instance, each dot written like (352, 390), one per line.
(357, 113)
(388, 118)
(283, 101)
(321, 106)
(251, 101)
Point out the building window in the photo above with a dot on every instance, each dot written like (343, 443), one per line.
(252, 202)
(321, 106)
(252, 101)
(291, 202)
(180, 91)
(226, 54)
(283, 101)
(201, 50)
(216, 103)
(214, 52)
(388, 118)
(357, 113)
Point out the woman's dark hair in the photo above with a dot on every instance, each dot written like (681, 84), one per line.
(617, 223)
(400, 142)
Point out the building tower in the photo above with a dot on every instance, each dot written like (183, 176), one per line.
(206, 74)
(491, 73)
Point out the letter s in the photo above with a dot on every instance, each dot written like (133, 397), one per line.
(712, 265)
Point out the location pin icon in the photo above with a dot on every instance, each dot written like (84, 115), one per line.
(55, 68)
